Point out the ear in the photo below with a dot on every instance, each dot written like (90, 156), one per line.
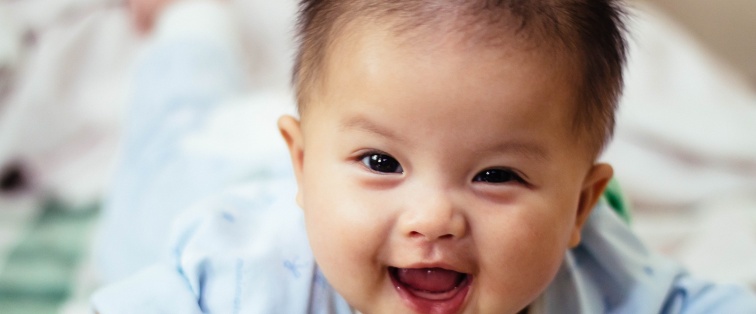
(593, 187)
(291, 130)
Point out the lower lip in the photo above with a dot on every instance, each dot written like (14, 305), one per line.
(419, 304)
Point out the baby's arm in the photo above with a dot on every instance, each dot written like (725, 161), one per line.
(188, 71)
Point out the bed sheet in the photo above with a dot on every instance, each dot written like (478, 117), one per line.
(685, 151)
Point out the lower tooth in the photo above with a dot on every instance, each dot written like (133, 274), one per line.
(435, 296)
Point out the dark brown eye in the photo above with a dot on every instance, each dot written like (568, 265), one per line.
(382, 163)
(498, 176)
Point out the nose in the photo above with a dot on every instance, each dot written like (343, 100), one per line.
(433, 217)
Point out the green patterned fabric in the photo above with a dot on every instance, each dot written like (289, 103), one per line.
(616, 199)
(38, 273)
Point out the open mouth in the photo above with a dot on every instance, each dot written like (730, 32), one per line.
(431, 290)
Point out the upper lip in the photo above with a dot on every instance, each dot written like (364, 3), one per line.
(424, 265)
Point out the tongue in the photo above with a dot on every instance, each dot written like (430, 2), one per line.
(434, 280)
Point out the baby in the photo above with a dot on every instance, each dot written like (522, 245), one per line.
(445, 152)
(445, 162)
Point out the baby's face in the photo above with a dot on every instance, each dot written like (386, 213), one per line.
(440, 177)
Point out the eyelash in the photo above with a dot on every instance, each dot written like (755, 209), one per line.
(499, 176)
(386, 164)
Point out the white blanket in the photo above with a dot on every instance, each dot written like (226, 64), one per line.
(685, 151)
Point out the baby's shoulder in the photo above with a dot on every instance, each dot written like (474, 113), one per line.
(259, 218)
(244, 250)
(247, 246)
(246, 203)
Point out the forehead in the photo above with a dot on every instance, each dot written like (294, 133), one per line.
(462, 41)
(366, 53)
(373, 72)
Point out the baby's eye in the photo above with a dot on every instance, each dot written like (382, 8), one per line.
(382, 163)
(498, 176)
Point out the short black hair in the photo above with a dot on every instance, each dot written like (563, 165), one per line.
(592, 32)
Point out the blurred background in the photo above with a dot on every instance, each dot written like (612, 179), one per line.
(722, 26)
(684, 150)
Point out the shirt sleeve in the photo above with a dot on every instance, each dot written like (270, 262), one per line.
(694, 296)
(158, 289)
(188, 71)
(244, 251)
(163, 287)
(611, 271)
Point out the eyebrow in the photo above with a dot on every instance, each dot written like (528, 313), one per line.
(528, 150)
(525, 149)
(362, 123)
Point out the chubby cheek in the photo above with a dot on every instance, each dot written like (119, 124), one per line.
(520, 257)
(346, 234)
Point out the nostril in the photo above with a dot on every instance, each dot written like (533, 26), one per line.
(415, 234)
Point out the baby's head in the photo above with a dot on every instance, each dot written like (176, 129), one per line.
(446, 151)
